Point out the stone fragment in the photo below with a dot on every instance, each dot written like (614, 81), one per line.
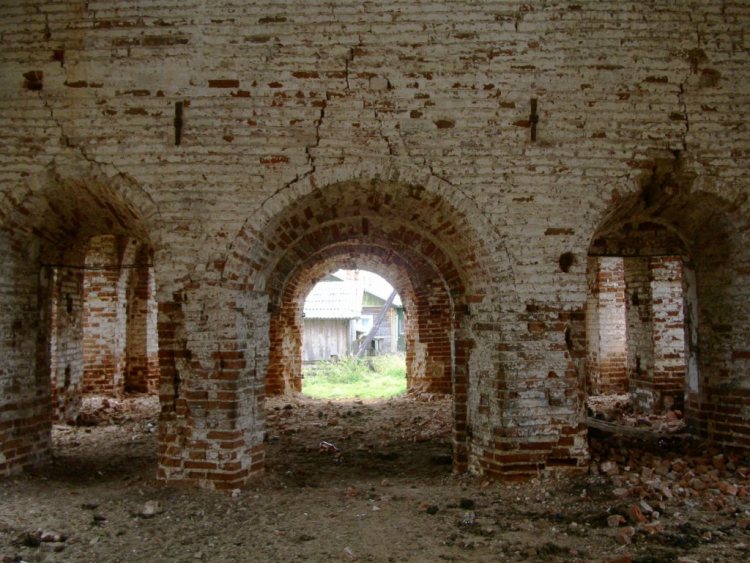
(652, 528)
(469, 519)
(728, 488)
(348, 554)
(50, 536)
(615, 520)
(625, 535)
(98, 519)
(719, 461)
(697, 484)
(609, 468)
(150, 509)
(30, 539)
(636, 515)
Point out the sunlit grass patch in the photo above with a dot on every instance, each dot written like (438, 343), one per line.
(353, 378)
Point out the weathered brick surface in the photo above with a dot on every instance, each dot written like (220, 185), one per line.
(67, 342)
(104, 317)
(606, 330)
(397, 128)
(636, 330)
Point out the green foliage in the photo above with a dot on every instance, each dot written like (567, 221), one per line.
(352, 378)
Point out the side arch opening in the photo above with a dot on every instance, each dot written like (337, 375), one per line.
(665, 313)
(79, 291)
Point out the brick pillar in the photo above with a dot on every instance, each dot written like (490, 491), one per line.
(141, 364)
(606, 327)
(640, 332)
(66, 353)
(213, 353)
(25, 421)
(285, 361)
(430, 357)
(104, 319)
(668, 308)
(460, 390)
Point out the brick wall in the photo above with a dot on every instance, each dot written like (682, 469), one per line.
(640, 331)
(104, 317)
(636, 328)
(66, 353)
(119, 336)
(668, 306)
(141, 361)
(606, 327)
(24, 395)
(398, 126)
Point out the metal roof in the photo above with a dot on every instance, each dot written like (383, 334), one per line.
(334, 300)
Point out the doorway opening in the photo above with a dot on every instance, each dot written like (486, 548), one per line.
(103, 356)
(638, 315)
(80, 270)
(353, 338)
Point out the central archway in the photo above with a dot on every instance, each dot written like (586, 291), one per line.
(429, 362)
(427, 247)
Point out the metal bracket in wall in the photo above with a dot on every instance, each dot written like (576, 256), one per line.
(533, 119)
(178, 122)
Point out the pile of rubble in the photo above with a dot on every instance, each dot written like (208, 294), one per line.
(683, 479)
(619, 410)
(98, 410)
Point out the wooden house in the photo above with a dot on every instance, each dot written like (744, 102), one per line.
(339, 313)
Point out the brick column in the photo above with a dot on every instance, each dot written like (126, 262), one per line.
(25, 421)
(213, 353)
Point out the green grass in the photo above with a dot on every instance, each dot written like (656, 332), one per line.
(352, 378)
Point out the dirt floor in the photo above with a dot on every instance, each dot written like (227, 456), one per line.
(354, 481)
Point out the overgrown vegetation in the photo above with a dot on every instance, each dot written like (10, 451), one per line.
(354, 378)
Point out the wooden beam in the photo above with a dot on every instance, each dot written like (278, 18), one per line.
(381, 315)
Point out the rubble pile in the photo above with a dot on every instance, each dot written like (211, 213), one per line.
(97, 410)
(619, 410)
(675, 480)
(412, 418)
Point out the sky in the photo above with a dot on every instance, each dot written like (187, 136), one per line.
(372, 282)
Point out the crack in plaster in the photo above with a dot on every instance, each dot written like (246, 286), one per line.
(348, 60)
(309, 157)
(383, 135)
(65, 139)
(683, 107)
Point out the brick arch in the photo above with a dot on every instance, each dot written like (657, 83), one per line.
(425, 297)
(673, 214)
(430, 225)
(433, 207)
(68, 203)
(44, 232)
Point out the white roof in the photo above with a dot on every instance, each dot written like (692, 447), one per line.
(334, 300)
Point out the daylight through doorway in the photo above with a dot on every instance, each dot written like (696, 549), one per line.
(353, 338)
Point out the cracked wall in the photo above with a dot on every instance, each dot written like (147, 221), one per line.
(277, 103)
